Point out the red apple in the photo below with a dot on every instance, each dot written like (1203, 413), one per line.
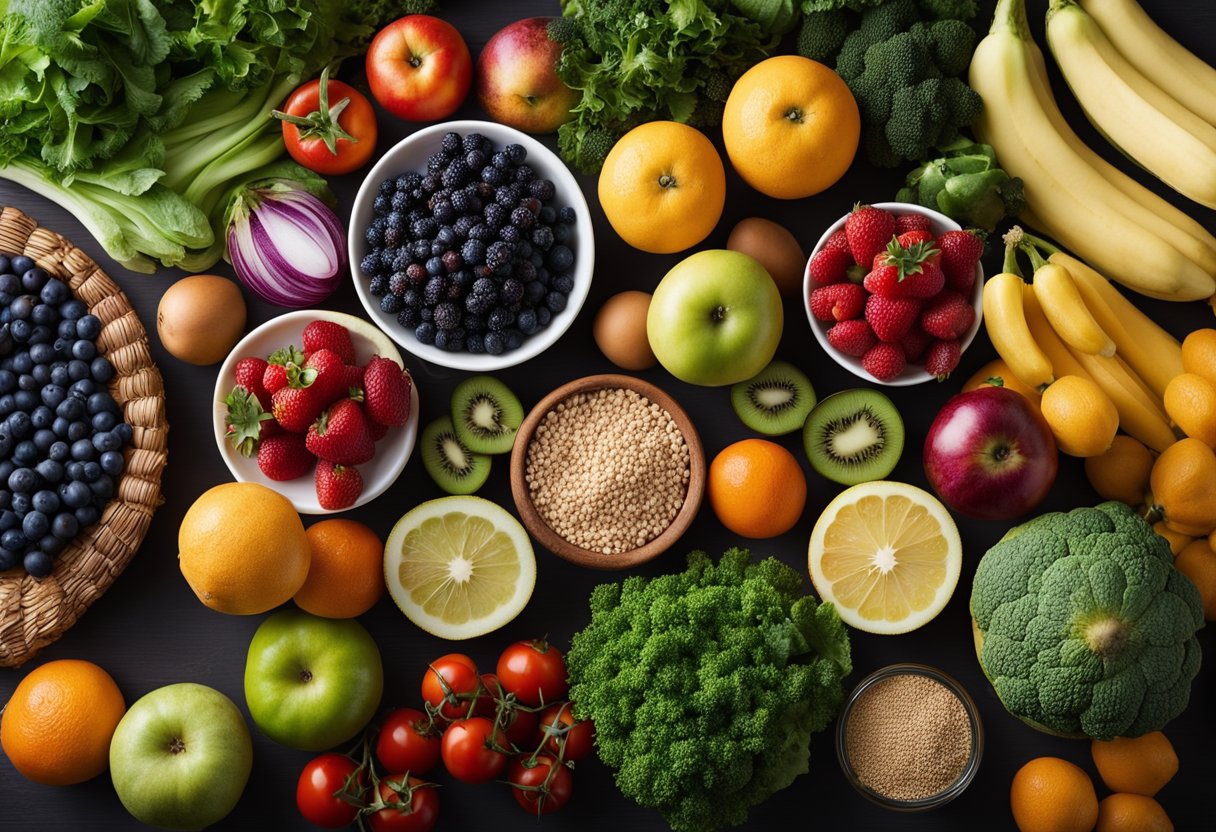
(990, 454)
(517, 81)
(419, 68)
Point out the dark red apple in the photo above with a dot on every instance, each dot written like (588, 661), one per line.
(990, 454)
(517, 81)
(419, 68)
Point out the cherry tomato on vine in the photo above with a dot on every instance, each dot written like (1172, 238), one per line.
(470, 750)
(578, 736)
(521, 730)
(405, 742)
(546, 785)
(328, 126)
(410, 807)
(486, 706)
(534, 671)
(322, 779)
(449, 683)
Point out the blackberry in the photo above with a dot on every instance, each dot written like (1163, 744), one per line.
(409, 317)
(512, 291)
(400, 201)
(563, 283)
(510, 234)
(478, 304)
(378, 285)
(493, 343)
(462, 226)
(398, 283)
(498, 255)
(516, 153)
(566, 216)
(456, 174)
(411, 181)
(532, 204)
(473, 323)
(473, 141)
(507, 196)
(496, 215)
(499, 319)
(370, 264)
(415, 273)
(411, 298)
(382, 203)
(401, 259)
(474, 343)
(455, 291)
(421, 249)
(473, 251)
(424, 229)
(524, 270)
(434, 164)
(500, 160)
(524, 174)
(475, 159)
(482, 232)
(388, 186)
(492, 175)
(512, 339)
(434, 266)
(374, 236)
(430, 184)
(485, 287)
(390, 303)
(526, 321)
(482, 271)
(450, 143)
(555, 301)
(425, 333)
(542, 189)
(444, 212)
(542, 237)
(447, 316)
(460, 203)
(434, 291)
(451, 261)
(484, 191)
(522, 218)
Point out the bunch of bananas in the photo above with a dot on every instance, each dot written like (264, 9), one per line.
(1091, 207)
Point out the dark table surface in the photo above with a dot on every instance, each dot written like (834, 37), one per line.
(149, 630)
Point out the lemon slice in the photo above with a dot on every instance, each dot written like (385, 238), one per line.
(887, 554)
(459, 567)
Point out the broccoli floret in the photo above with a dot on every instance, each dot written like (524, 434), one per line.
(563, 29)
(877, 24)
(949, 9)
(822, 34)
(377, 13)
(951, 44)
(585, 148)
(928, 114)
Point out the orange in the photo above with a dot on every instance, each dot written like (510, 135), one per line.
(1182, 487)
(1141, 765)
(996, 373)
(791, 127)
(1190, 400)
(1177, 541)
(56, 728)
(757, 488)
(1121, 473)
(1053, 795)
(663, 187)
(1199, 352)
(346, 573)
(1082, 418)
(242, 548)
(1198, 562)
(1132, 813)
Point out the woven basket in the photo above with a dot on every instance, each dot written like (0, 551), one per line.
(34, 613)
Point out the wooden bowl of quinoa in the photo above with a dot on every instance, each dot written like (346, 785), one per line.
(607, 471)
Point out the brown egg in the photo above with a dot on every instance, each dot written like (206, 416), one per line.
(620, 331)
(776, 249)
(200, 318)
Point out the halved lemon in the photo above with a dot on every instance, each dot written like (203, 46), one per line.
(459, 567)
(887, 554)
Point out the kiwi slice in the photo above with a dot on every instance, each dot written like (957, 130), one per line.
(775, 401)
(452, 466)
(854, 436)
(486, 415)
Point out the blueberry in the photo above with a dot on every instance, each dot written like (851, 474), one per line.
(20, 502)
(107, 441)
(8, 381)
(8, 403)
(42, 417)
(526, 321)
(70, 408)
(43, 440)
(390, 304)
(6, 470)
(493, 343)
(543, 315)
(9, 520)
(75, 494)
(26, 381)
(434, 266)
(74, 470)
(46, 501)
(560, 258)
(564, 283)
(65, 525)
(425, 333)
(91, 472)
(21, 307)
(67, 330)
(100, 369)
(124, 432)
(84, 350)
(77, 370)
(444, 340)
(555, 301)
(59, 451)
(513, 339)
(37, 563)
(53, 395)
(566, 216)
(561, 233)
(22, 480)
(9, 559)
(515, 153)
(21, 331)
(41, 373)
(45, 315)
(6, 443)
(82, 449)
(20, 425)
(34, 525)
(88, 326)
(87, 515)
(59, 374)
(79, 430)
(25, 400)
(60, 426)
(50, 470)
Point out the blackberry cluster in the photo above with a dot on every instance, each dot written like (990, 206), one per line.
(61, 432)
(471, 255)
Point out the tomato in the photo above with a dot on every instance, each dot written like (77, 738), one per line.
(406, 743)
(470, 750)
(410, 807)
(450, 682)
(320, 783)
(534, 671)
(486, 704)
(328, 126)
(546, 784)
(577, 736)
(521, 730)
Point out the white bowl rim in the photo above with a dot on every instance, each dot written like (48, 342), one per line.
(572, 195)
(913, 373)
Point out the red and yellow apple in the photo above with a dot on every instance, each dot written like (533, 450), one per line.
(517, 81)
(419, 68)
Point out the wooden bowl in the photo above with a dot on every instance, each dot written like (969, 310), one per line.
(563, 548)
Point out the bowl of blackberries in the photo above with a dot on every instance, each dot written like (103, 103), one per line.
(471, 245)
(62, 434)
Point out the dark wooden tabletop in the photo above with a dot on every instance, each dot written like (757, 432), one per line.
(149, 630)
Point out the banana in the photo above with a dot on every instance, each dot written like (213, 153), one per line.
(1154, 354)
(1139, 415)
(1162, 59)
(1137, 116)
(1069, 317)
(1047, 340)
(1077, 204)
(1005, 319)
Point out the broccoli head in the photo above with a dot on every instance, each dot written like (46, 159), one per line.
(877, 24)
(951, 44)
(822, 34)
(929, 114)
(1084, 626)
(705, 686)
(585, 148)
(949, 9)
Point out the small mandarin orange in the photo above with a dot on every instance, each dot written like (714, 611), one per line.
(757, 488)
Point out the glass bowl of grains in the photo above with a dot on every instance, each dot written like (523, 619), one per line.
(909, 738)
(607, 471)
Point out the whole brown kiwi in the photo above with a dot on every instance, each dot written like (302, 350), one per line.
(200, 318)
(776, 249)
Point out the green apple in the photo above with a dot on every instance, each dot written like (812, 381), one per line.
(312, 683)
(715, 318)
(180, 757)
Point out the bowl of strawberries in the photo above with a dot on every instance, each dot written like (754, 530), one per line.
(893, 292)
(318, 406)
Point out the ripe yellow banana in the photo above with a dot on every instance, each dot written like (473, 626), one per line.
(1137, 116)
(1048, 341)
(1139, 415)
(1005, 319)
(1162, 59)
(1070, 318)
(1079, 207)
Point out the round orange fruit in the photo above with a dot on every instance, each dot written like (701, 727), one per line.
(1122, 812)
(663, 187)
(1121, 472)
(1182, 487)
(1199, 352)
(996, 373)
(1190, 400)
(1141, 765)
(346, 572)
(791, 127)
(1053, 795)
(756, 488)
(1197, 561)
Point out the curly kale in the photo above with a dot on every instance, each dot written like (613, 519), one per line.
(705, 686)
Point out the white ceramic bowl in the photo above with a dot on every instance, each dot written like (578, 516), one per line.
(410, 154)
(913, 373)
(392, 452)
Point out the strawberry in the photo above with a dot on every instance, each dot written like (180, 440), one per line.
(377, 430)
(947, 316)
(839, 302)
(884, 361)
(915, 343)
(837, 241)
(912, 222)
(340, 434)
(284, 457)
(910, 238)
(352, 377)
(249, 372)
(246, 420)
(830, 265)
(295, 408)
(891, 318)
(869, 229)
(961, 251)
(327, 335)
(852, 337)
(329, 376)
(906, 272)
(942, 358)
(338, 486)
(274, 378)
(386, 391)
